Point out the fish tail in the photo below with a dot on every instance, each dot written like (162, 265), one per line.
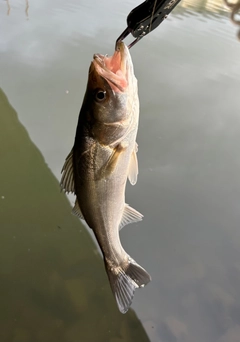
(124, 281)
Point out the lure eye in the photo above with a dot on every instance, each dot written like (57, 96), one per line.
(100, 95)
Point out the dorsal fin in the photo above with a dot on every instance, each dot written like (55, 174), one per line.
(133, 166)
(67, 180)
(129, 215)
(77, 211)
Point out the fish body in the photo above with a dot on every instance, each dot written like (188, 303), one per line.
(102, 159)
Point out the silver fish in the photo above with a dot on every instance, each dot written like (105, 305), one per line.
(101, 160)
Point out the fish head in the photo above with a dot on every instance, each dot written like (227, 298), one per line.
(111, 94)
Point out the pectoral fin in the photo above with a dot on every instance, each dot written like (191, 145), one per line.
(67, 180)
(109, 167)
(129, 215)
(133, 167)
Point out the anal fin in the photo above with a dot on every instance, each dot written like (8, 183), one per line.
(129, 215)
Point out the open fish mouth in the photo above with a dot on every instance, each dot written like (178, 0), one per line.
(114, 68)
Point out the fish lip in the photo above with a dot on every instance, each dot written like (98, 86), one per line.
(114, 68)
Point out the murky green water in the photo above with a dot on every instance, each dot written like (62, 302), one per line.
(52, 281)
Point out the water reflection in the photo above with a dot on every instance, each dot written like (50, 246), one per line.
(217, 8)
(184, 8)
(52, 281)
(8, 7)
(214, 6)
(8, 2)
(205, 6)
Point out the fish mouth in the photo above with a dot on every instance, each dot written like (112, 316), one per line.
(114, 68)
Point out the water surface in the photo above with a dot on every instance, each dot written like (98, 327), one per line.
(189, 186)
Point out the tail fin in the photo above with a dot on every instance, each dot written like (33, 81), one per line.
(124, 282)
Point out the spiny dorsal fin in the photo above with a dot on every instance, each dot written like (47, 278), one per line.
(67, 180)
(133, 166)
(77, 211)
(129, 215)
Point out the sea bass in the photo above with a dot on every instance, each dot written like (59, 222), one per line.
(101, 160)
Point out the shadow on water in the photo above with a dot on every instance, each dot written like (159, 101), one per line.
(52, 281)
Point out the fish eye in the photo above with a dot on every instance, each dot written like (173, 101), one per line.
(100, 95)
